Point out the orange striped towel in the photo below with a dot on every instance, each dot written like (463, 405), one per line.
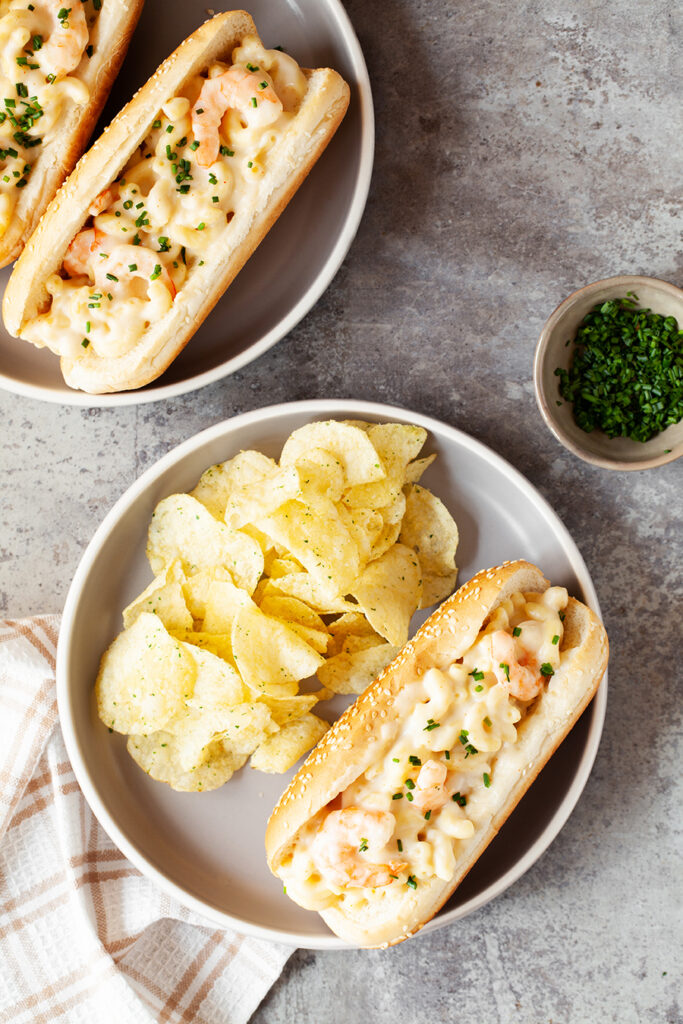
(83, 935)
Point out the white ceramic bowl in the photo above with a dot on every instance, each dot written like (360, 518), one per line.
(207, 849)
(301, 253)
(552, 351)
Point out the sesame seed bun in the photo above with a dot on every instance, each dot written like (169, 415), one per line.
(369, 727)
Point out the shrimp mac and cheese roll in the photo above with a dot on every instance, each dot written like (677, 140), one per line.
(164, 210)
(57, 64)
(405, 792)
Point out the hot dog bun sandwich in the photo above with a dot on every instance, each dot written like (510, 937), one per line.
(165, 208)
(57, 65)
(407, 789)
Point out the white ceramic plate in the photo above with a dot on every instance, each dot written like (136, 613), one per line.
(207, 849)
(303, 251)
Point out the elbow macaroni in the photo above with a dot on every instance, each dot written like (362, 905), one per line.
(462, 718)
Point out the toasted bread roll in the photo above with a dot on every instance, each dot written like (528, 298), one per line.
(408, 788)
(163, 211)
(57, 65)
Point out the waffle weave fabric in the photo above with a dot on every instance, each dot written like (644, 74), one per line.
(84, 936)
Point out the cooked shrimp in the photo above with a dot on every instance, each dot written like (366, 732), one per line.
(123, 263)
(249, 92)
(127, 262)
(83, 248)
(338, 848)
(430, 790)
(518, 674)
(68, 38)
(100, 203)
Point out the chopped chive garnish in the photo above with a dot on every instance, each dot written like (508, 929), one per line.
(414, 760)
(506, 669)
(478, 688)
(397, 796)
(409, 797)
(169, 128)
(412, 881)
(396, 760)
(399, 845)
(447, 754)
(200, 227)
(409, 784)
(363, 846)
(487, 721)
(459, 799)
(428, 815)
(487, 779)
(476, 674)
(556, 639)
(87, 327)
(85, 342)
(156, 272)
(547, 669)
(112, 277)
(224, 151)
(626, 374)
(431, 724)
(156, 124)
(132, 267)
(194, 145)
(516, 631)
(214, 199)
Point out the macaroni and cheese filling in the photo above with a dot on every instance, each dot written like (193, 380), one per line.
(406, 818)
(196, 176)
(41, 44)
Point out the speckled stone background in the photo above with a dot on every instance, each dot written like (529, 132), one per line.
(523, 149)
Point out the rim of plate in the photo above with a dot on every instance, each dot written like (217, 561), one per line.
(329, 407)
(287, 323)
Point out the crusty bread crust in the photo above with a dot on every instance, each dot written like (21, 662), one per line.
(354, 743)
(322, 109)
(110, 38)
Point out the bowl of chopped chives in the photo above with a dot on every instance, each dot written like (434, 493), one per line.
(608, 372)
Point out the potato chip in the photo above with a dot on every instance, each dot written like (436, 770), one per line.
(396, 444)
(348, 444)
(280, 565)
(243, 727)
(223, 601)
(282, 750)
(321, 475)
(286, 709)
(144, 677)
(319, 540)
(196, 588)
(215, 643)
(430, 530)
(365, 527)
(216, 683)
(389, 591)
(353, 671)
(250, 503)
(290, 609)
(351, 624)
(157, 755)
(267, 653)
(183, 529)
(303, 586)
(164, 597)
(414, 470)
(217, 482)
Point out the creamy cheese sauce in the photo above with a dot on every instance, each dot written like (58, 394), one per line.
(42, 45)
(153, 227)
(436, 785)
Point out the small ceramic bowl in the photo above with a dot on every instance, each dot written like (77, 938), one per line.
(552, 351)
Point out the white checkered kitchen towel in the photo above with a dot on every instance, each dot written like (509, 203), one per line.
(84, 937)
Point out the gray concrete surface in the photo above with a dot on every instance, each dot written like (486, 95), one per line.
(523, 149)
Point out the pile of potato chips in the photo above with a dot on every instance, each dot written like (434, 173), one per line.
(268, 574)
